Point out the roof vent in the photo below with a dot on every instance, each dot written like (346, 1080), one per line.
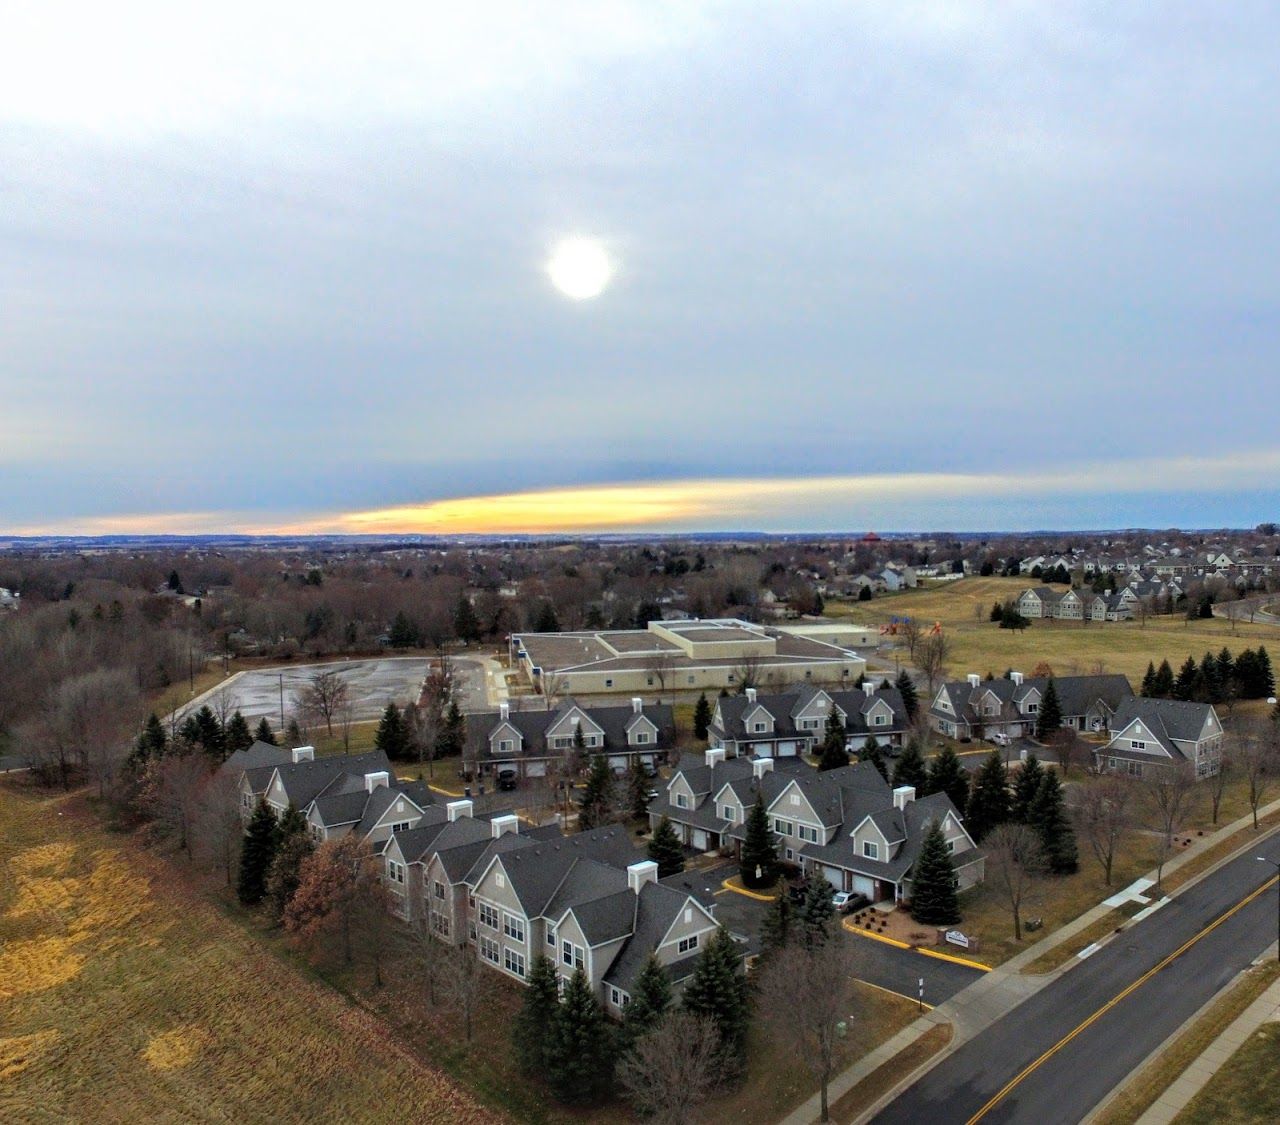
(903, 796)
(1016, 677)
(750, 693)
(457, 809)
(761, 766)
(974, 679)
(638, 874)
(500, 825)
(504, 711)
(715, 756)
(303, 754)
(373, 780)
(637, 704)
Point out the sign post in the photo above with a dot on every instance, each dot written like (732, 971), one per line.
(921, 998)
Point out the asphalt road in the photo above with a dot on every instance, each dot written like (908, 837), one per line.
(1054, 1057)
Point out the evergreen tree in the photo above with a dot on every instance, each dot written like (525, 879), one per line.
(1149, 680)
(775, 930)
(1226, 667)
(650, 999)
(989, 798)
(293, 733)
(833, 754)
(666, 850)
(579, 1047)
(238, 735)
(947, 775)
(175, 583)
(465, 622)
(1049, 718)
(718, 990)
(208, 732)
(815, 918)
(1025, 787)
(701, 718)
(933, 882)
(391, 737)
(294, 844)
(264, 733)
(910, 697)
(531, 1027)
(1048, 816)
(453, 732)
(597, 796)
(260, 841)
(997, 613)
(1266, 676)
(637, 790)
(152, 742)
(871, 753)
(758, 848)
(1184, 685)
(910, 768)
(1164, 683)
(403, 633)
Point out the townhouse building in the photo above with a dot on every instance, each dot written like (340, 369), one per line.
(1153, 733)
(978, 708)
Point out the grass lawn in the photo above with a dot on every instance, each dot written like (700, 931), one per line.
(1235, 1094)
(883, 1079)
(1068, 647)
(126, 995)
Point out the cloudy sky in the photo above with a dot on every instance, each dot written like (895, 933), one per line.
(896, 266)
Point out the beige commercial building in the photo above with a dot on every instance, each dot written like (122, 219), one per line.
(671, 656)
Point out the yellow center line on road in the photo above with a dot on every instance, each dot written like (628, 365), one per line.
(1033, 1066)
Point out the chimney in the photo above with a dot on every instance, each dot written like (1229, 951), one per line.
(303, 754)
(974, 679)
(1016, 677)
(456, 809)
(761, 766)
(903, 796)
(503, 824)
(638, 874)
(637, 704)
(716, 756)
(504, 711)
(373, 780)
(750, 693)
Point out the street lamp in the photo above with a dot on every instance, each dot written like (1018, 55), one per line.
(1264, 859)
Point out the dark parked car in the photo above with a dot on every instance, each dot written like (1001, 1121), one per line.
(507, 779)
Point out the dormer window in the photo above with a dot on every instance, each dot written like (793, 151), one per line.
(505, 746)
(758, 727)
(642, 737)
(870, 849)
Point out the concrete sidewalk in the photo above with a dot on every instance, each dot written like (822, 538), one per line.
(1265, 1009)
(995, 994)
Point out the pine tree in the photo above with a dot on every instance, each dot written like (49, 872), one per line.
(208, 732)
(465, 622)
(718, 990)
(933, 882)
(759, 850)
(285, 872)
(264, 733)
(1048, 816)
(597, 796)
(1266, 676)
(833, 754)
(152, 742)
(997, 613)
(637, 789)
(293, 733)
(391, 737)
(1164, 681)
(701, 717)
(1025, 787)
(989, 798)
(910, 768)
(531, 1027)
(1184, 685)
(910, 697)
(666, 850)
(453, 732)
(947, 775)
(1149, 680)
(260, 841)
(650, 999)
(238, 736)
(403, 632)
(815, 917)
(1050, 717)
(871, 753)
(775, 930)
(579, 1048)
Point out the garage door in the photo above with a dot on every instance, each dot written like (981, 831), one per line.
(834, 876)
(535, 769)
(864, 886)
(699, 839)
(618, 763)
(787, 750)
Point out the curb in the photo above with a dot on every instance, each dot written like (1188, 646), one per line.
(915, 948)
(728, 886)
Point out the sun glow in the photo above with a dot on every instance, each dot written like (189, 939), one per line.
(580, 268)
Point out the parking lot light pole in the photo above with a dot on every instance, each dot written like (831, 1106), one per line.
(1264, 859)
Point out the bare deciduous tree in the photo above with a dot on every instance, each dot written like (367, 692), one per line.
(1169, 793)
(324, 696)
(170, 793)
(462, 983)
(1258, 754)
(1103, 816)
(931, 657)
(218, 827)
(1015, 861)
(673, 1069)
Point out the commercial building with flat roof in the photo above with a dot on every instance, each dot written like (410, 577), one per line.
(671, 656)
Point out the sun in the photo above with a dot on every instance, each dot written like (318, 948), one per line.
(580, 268)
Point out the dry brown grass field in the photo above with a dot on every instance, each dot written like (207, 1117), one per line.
(1067, 647)
(126, 996)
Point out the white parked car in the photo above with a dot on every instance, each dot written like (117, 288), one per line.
(1000, 739)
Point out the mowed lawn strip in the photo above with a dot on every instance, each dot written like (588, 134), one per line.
(1238, 1093)
(125, 996)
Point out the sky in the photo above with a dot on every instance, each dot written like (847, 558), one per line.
(891, 266)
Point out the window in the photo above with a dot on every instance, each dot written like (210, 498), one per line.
(500, 879)
(870, 850)
(608, 683)
(489, 950)
(732, 677)
(682, 802)
(782, 827)
(758, 727)
(246, 800)
(440, 923)
(1032, 708)
(1136, 744)
(572, 955)
(395, 871)
(1135, 769)
(615, 996)
(402, 826)
(808, 724)
(642, 736)
(562, 743)
(513, 927)
(488, 915)
(880, 720)
(951, 845)
(726, 812)
(513, 962)
(807, 833)
(551, 936)
(795, 798)
(437, 889)
(688, 944)
(505, 746)
(650, 680)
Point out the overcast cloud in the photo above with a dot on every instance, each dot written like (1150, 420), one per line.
(280, 270)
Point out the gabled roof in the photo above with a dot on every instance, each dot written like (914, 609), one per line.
(657, 908)
(614, 723)
(1167, 719)
(602, 916)
(536, 869)
(343, 773)
(257, 756)
(785, 707)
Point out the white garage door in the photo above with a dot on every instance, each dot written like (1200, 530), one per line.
(864, 886)
(834, 876)
(618, 763)
(787, 750)
(699, 839)
(535, 769)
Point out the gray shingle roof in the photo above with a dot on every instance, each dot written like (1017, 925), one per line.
(615, 722)
(1167, 719)
(305, 781)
